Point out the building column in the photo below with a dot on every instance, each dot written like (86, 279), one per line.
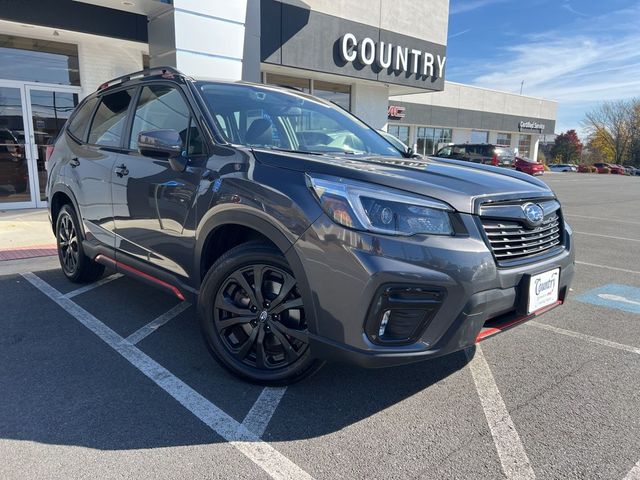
(370, 103)
(208, 39)
(535, 144)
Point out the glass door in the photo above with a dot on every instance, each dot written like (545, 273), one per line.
(15, 172)
(48, 108)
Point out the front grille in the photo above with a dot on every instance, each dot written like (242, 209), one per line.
(511, 241)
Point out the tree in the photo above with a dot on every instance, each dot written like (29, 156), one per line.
(567, 147)
(612, 128)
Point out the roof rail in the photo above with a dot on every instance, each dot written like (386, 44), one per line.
(166, 72)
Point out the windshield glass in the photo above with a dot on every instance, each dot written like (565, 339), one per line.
(258, 116)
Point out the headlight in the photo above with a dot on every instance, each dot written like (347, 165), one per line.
(364, 206)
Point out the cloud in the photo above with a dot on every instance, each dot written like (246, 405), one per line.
(567, 6)
(463, 6)
(583, 64)
(459, 33)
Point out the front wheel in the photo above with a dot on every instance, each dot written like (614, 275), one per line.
(253, 316)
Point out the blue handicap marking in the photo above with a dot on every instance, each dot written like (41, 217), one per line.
(621, 297)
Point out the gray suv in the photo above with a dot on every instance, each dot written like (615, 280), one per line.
(301, 233)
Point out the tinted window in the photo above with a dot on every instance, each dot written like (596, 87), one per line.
(162, 107)
(108, 122)
(78, 125)
(503, 152)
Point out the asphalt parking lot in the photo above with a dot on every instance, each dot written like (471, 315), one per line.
(113, 381)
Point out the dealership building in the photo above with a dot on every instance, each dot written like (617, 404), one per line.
(384, 60)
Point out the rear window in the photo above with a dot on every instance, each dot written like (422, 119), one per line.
(503, 152)
(78, 125)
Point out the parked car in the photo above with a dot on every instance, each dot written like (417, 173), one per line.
(525, 165)
(631, 170)
(563, 167)
(484, 153)
(296, 252)
(603, 167)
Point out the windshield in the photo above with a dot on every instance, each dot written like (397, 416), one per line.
(258, 116)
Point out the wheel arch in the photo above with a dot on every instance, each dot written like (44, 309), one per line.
(62, 195)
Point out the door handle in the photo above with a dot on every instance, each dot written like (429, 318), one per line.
(74, 162)
(121, 170)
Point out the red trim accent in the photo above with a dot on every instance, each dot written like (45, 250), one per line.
(127, 268)
(489, 332)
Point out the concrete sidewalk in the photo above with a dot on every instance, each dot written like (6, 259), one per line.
(25, 234)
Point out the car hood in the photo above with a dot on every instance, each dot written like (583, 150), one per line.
(462, 185)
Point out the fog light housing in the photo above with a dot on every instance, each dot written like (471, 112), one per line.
(400, 314)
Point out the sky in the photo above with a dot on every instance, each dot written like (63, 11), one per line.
(578, 53)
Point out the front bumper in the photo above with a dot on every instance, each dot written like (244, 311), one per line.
(345, 271)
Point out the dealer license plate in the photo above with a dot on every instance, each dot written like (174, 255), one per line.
(543, 290)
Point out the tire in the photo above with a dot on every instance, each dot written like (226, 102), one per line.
(266, 344)
(76, 266)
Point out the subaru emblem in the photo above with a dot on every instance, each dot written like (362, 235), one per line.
(533, 213)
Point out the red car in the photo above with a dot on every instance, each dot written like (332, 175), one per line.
(527, 166)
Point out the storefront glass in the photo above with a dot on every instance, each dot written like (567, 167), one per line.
(524, 146)
(334, 92)
(14, 173)
(479, 136)
(504, 139)
(401, 132)
(49, 112)
(430, 140)
(42, 61)
(301, 84)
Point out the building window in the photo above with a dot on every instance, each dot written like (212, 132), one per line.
(430, 140)
(401, 132)
(34, 60)
(333, 92)
(338, 93)
(479, 136)
(287, 81)
(524, 146)
(504, 139)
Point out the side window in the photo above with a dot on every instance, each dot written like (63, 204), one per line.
(162, 107)
(78, 125)
(445, 152)
(108, 122)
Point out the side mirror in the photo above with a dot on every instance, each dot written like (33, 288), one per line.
(163, 144)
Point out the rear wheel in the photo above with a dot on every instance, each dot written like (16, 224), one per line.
(252, 316)
(76, 266)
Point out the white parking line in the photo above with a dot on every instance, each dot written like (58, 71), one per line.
(260, 414)
(583, 336)
(151, 327)
(608, 236)
(601, 218)
(514, 460)
(607, 267)
(91, 286)
(634, 473)
(261, 453)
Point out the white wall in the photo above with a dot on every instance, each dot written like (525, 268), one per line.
(201, 38)
(370, 103)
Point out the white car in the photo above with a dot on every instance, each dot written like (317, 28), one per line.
(563, 167)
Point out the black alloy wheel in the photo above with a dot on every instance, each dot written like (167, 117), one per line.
(68, 244)
(76, 266)
(253, 317)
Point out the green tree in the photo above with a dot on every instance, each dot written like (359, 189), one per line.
(567, 147)
(614, 127)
